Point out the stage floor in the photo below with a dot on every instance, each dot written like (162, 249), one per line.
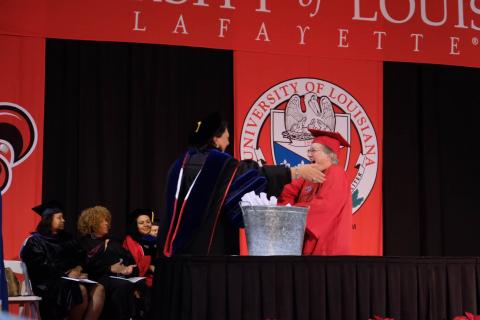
(330, 288)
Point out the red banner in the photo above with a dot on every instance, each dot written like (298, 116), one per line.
(442, 32)
(22, 66)
(268, 87)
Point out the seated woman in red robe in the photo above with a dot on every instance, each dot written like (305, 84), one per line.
(140, 243)
(329, 220)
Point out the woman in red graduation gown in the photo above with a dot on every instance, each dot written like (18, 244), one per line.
(329, 219)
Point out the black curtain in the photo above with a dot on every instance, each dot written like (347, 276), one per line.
(429, 170)
(117, 115)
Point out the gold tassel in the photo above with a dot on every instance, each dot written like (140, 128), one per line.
(198, 126)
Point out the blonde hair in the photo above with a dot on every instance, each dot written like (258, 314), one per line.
(90, 219)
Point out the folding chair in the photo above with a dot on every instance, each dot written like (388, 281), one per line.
(27, 302)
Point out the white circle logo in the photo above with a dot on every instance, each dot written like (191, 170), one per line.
(276, 129)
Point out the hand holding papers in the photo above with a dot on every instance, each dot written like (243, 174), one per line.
(120, 269)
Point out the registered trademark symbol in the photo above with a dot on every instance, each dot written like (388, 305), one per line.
(475, 41)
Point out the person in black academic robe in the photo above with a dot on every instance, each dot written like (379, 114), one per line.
(202, 215)
(106, 258)
(204, 186)
(49, 254)
(142, 246)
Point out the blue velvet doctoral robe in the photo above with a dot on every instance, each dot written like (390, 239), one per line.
(204, 227)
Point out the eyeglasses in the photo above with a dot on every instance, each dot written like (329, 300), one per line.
(311, 150)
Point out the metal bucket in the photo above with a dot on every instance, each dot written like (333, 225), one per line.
(274, 230)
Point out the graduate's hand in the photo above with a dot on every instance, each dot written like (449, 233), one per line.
(312, 172)
(83, 276)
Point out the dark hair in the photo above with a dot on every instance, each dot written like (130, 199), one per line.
(132, 230)
(209, 143)
(44, 227)
(132, 226)
(202, 133)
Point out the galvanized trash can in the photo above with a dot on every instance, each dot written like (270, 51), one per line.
(274, 230)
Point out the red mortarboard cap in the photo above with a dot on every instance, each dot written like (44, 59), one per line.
(333, 140)
(47, 208)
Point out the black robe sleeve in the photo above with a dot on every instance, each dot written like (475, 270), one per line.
(101, 257)
(38, 258)
(47, 260)
(277, 175)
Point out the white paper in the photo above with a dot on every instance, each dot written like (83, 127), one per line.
(80, 280)
(251, 199)
(132, 279)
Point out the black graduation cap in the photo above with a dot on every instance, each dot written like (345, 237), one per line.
(134, 214)
(205, 129)
(47, 208)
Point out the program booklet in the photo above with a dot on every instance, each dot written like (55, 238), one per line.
(132, 279)
(80, 280)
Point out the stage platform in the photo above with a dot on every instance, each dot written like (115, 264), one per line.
(329, 288)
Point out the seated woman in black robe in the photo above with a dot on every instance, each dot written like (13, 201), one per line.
(49, 254)
(204, 187)
(107, 258)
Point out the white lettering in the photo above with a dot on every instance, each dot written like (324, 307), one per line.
(425, 18)
(263, 6)
(223, 27)
(476, 10)
(454, 46)
(416, 36)
(461, 21)
(342, 43)
(308, 3)
(137, 19)
(356, 15)
(262, 32)
(180, 24)
(379, 38)
(227, 5)
(175, 1)
(201, 3)
(302, 34)
(387, 16)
